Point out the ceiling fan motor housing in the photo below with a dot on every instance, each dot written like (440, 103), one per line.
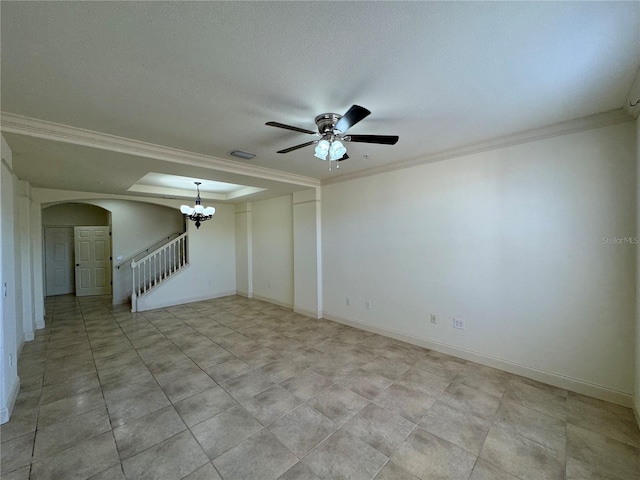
(326, 123)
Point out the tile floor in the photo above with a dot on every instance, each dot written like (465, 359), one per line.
(241, 389)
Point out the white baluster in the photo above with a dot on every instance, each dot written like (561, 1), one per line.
(156, 267)
(133, 287)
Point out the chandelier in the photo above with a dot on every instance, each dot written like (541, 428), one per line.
(198, 213)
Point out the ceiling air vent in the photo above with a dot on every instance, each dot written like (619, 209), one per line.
(241, 154)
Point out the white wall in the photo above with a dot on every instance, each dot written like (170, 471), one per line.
(278, 251)
(136, 225)
(212, 269)
(36, 267)
(24, 250)
(244, 254)
(272, 250)
(307, 253)
(511, 241)
(18, 229)
(637, 377)
(9, 381)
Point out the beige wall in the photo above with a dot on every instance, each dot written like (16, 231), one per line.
(71, 214)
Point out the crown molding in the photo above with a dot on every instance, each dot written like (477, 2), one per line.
(46, 197)
(599, 120)
(33, 127)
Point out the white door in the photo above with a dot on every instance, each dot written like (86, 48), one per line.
(58, 260)
(93, 261)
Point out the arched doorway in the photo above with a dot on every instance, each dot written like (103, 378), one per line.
(64, 224)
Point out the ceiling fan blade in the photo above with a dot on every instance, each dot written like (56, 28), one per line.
(344, 157)
(353, 116)
(383, 139)
(302, 145)
(289, 127)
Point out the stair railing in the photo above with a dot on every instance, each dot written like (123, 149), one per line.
(154, 269)
(163, 241)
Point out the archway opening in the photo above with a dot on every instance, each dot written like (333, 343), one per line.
(74, 232)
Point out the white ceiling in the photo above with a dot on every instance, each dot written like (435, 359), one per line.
(204, 77)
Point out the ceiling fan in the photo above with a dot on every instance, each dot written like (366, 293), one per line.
(332, 131)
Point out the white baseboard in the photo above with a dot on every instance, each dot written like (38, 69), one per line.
(244, 294)
(308, 313)
(5, 411)
(224, 294)
(554, 379)
(28, 336)
(301, 311)
(272, 300)
(636, 409)
(40, 324)
(142, 307)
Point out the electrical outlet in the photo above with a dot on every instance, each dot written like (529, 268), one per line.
(269, 284)
(458, 323)
(348, 301)
(367, 305)
(433, 318)
(11, 359)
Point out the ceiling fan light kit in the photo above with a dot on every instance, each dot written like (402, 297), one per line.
(337, 150)
(332, 129)
(322, 149)
(198, 213)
